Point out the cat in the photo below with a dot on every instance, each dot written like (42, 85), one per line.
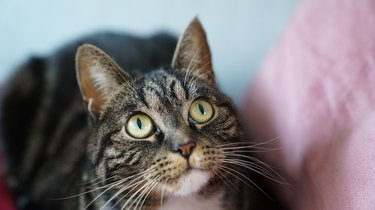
(143, 127)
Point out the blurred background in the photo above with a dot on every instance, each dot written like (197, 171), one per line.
(240, 32)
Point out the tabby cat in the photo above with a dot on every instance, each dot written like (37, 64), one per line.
(147, 137)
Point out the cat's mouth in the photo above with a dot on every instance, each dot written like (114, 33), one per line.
(185, 177)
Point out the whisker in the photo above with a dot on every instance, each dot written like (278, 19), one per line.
(138, 199)
(92, 185)
(251, 149)
(115, 195)
(91, 202)
(148, 191)
(138, 191)
(92, 190)
(233, 160)
(234, 175)
(242, 175)
(161, 195)
(248, 142)
(221, 178)
(256, 160)
(121, 191)
(145, 197)
(131, 186)
(89, 181)
(113, 185)
(257, 169)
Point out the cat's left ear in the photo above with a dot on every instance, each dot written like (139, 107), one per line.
(99, 78)
(192, 53)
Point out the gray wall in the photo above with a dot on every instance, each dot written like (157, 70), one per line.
(239, 32)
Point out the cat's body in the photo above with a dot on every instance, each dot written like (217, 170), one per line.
(42, 111)
(57, 159)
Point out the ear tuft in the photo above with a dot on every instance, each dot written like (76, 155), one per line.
(192, 53)
(99, 77)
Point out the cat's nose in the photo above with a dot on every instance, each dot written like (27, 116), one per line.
(185, 149)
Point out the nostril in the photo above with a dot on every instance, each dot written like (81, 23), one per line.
(186, 149)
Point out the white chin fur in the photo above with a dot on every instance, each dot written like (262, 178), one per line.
(189, 183)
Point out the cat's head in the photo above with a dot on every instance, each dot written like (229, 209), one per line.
(164, 129)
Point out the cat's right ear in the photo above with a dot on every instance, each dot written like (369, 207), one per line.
(99, 77)
(192, 53)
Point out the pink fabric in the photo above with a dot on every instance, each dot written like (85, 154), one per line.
(6, 202)
(316, 94)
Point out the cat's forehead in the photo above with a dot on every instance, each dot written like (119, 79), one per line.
(161, 76)
(158, 94)
(163, 91)
(160, 88)
(164, 81)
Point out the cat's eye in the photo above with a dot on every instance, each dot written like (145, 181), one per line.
(140, 126)
(201, 111)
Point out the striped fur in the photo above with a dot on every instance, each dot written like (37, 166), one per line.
(61, 158)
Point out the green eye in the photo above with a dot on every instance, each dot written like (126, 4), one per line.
(140, 126)
(201, 111)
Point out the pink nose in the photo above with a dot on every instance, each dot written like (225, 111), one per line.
(186, 149)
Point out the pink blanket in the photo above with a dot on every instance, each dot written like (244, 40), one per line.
(316, 94)
(5, 198)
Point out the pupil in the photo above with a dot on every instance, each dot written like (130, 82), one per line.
(201, 109)
(139, 123)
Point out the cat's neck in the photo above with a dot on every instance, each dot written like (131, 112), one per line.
(213, 202)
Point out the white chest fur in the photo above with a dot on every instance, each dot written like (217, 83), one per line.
(194, 203)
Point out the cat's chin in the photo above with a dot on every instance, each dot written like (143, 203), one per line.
(188, 183)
